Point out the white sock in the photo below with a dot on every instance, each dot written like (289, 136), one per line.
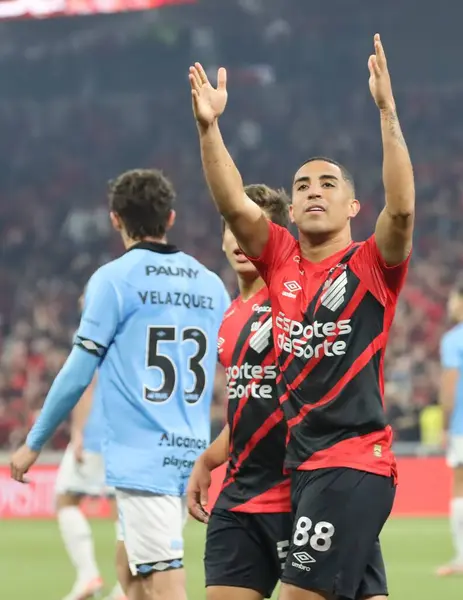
(78, 540)
(456, 524)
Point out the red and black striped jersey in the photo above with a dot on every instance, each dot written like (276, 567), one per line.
(254, 481)
(330, 325)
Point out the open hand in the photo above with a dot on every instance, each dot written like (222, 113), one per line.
(21, 461)
(208, 102)
(380, 81)
(197, 491)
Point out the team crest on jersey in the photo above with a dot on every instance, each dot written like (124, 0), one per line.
(255, 326)
(335, 290)
(263, 336)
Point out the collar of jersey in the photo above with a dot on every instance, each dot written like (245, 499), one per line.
(326, 263)
(155, 247)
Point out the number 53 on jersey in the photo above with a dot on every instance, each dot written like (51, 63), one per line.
(176, 354)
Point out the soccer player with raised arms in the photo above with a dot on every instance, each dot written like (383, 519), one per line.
(333, 302)
(149, 325)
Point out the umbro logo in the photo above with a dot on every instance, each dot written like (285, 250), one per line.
(334, 294)
(304, 557)
(291, 288)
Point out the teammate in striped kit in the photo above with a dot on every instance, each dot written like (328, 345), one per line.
(250, 526)
(330, 345)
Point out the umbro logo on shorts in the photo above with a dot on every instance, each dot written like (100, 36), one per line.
(303, 560)
(304, 557)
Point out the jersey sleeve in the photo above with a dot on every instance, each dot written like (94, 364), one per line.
(101, 315)
(384, 282)
(449, 352)
(279, 246)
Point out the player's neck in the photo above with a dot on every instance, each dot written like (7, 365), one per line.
(315, 249)
(249, 287)
(129, 242)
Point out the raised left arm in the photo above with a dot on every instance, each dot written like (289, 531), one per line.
(394, 228)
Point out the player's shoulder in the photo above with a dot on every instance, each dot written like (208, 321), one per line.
(233, 309)
(362, 246)
(106, 273)
(454, 336)
(203, 272)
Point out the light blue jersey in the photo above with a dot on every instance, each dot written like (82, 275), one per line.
(94, 426)
(452, 358)
(153, 316)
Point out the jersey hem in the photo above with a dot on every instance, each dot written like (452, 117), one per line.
(386, 471)
(128, 486)
(259, 510)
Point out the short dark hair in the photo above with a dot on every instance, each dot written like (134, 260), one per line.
(143, 199)
(346, 175)
(275, 203)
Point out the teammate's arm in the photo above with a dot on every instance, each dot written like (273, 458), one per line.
(245, 219)
(394, 228)
(200, 479)
(79, 419)
(97, 328)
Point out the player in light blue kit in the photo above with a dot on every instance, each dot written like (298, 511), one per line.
(451, 397)
(150, 325)
(80, 474)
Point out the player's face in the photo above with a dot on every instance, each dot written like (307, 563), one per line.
(238, 261)
(322, 201)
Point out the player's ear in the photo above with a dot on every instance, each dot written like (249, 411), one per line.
(354, 208)
(291, 213)
(171, 220)
(115, 221)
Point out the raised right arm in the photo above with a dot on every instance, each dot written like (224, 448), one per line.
(246, 220)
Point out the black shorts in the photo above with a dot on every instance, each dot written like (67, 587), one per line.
(338, 516)
(246, 550)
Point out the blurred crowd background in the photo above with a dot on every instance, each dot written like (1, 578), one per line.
(83, 99)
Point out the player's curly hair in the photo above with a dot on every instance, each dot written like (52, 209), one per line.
(143, 199)
(275, 203)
